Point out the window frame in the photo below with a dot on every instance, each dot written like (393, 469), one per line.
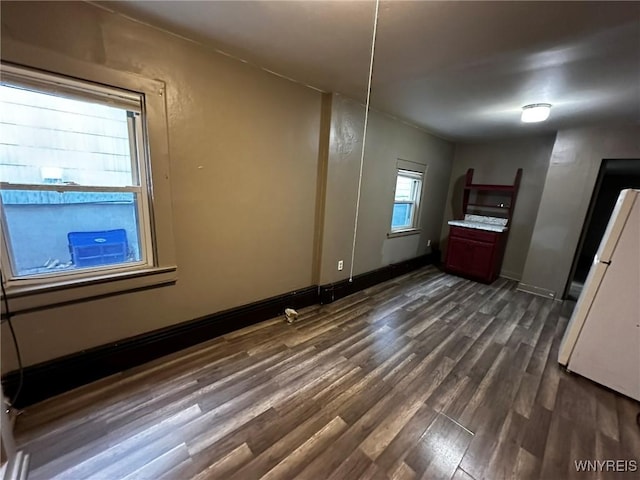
(159, 266)
(412, 171)
(48, 84)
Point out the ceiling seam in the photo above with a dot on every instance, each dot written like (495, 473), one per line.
(201, 44)
(255, 65)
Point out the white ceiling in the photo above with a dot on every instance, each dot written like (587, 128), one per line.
(462, 70)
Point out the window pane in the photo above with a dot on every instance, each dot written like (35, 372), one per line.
(49, 139)
(401, 215)
(51, 232)
(404, 189)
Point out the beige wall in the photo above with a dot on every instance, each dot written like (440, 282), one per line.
(243, 149)
(573, 170)
(387, 141)
(497, 163)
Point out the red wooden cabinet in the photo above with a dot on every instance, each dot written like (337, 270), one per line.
(477, 253)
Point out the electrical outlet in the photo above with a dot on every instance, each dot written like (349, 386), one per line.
(428, 243)
(340, 265)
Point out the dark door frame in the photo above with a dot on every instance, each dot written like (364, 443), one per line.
(604, 163)
(585, 226)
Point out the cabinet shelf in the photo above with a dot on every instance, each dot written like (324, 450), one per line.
(485, 205)
(479, 196)
(494, 188)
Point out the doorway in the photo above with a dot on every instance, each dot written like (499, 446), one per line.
(614, 175)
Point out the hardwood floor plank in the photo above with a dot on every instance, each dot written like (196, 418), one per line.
(332, 457)
(503, 460)
(527, 466)
(320, 384)
(628, 410)
(373, 473)
(354, 466)
(403, 472)
(557, 461)
(461, 398)
(234, 440)
(159, 464)
(279, 450)
(535, 438)
(438, 453)
(408, 436)
(582, 446)
(228, 464)
(388, 428)
(548, 387)
(461, 475)
(573, 401)
(606, 414)
(523, 404)
(304, 454)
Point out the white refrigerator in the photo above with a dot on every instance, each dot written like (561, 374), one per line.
(602, 340)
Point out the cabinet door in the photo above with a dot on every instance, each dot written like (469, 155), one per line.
(471, 257)
(459, 254)
(481, 261)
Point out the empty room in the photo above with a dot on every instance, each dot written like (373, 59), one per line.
(320, 240)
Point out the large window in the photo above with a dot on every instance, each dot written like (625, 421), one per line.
(406, 202)
(74, 189)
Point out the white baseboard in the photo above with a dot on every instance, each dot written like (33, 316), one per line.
(542, 292)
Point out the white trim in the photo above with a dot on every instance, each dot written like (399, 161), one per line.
(145, 221)
(25, 78)
(134, 149)
(410, 166)
(51, 84)
(46, 278)
(541, 292)
(416, 195)
(404, 233)
(410, 174)
(61, 188)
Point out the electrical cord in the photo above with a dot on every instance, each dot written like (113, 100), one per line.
(7, 318)
(364, 140)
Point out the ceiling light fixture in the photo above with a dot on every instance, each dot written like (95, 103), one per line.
(536, 112)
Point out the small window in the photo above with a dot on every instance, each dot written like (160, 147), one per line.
(74, 190)
(406, 203)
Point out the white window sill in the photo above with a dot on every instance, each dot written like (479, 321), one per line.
(25, 298)
(403, 233)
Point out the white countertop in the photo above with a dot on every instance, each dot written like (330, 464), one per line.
(478, 225)
(481, 222)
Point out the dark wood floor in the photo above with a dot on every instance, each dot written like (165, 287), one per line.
(427, 376)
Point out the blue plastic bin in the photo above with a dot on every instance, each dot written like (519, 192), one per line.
(91, 249)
